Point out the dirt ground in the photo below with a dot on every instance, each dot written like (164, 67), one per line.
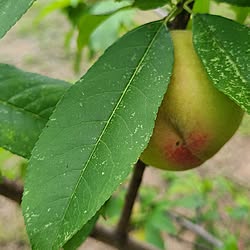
(39, 48)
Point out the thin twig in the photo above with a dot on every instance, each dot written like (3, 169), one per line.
(181, 20)
(197, 229)
(123, 224)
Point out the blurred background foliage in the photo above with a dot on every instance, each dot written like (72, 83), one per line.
(97, 24)
(219, 203)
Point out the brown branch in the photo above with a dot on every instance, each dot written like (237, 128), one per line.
(181, 20)
(109, 237)
(123, 224)
(11, 190)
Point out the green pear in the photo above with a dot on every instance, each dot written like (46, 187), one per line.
(195, 119)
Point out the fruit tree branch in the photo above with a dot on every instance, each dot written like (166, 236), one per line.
(197, 229)
(123, 224)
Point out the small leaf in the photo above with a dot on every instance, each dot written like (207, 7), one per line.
(192, 201)
(153, 236)
(87, 25)
(161, 221)
(230, 243)
(52, 6)
(95, 135)
(238, 213)
(10, 12)
(110, 30)
(113, 207)
(26, 102)
(91, 20)
(224, 48)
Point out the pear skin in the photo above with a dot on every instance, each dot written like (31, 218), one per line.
(195, 119)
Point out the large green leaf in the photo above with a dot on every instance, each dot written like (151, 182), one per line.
(10, 12)
(95, 135)
(26, 102)
(224, 48)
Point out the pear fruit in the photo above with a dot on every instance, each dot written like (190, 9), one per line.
(195, 119)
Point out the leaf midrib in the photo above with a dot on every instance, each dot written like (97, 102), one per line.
(107, 124)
